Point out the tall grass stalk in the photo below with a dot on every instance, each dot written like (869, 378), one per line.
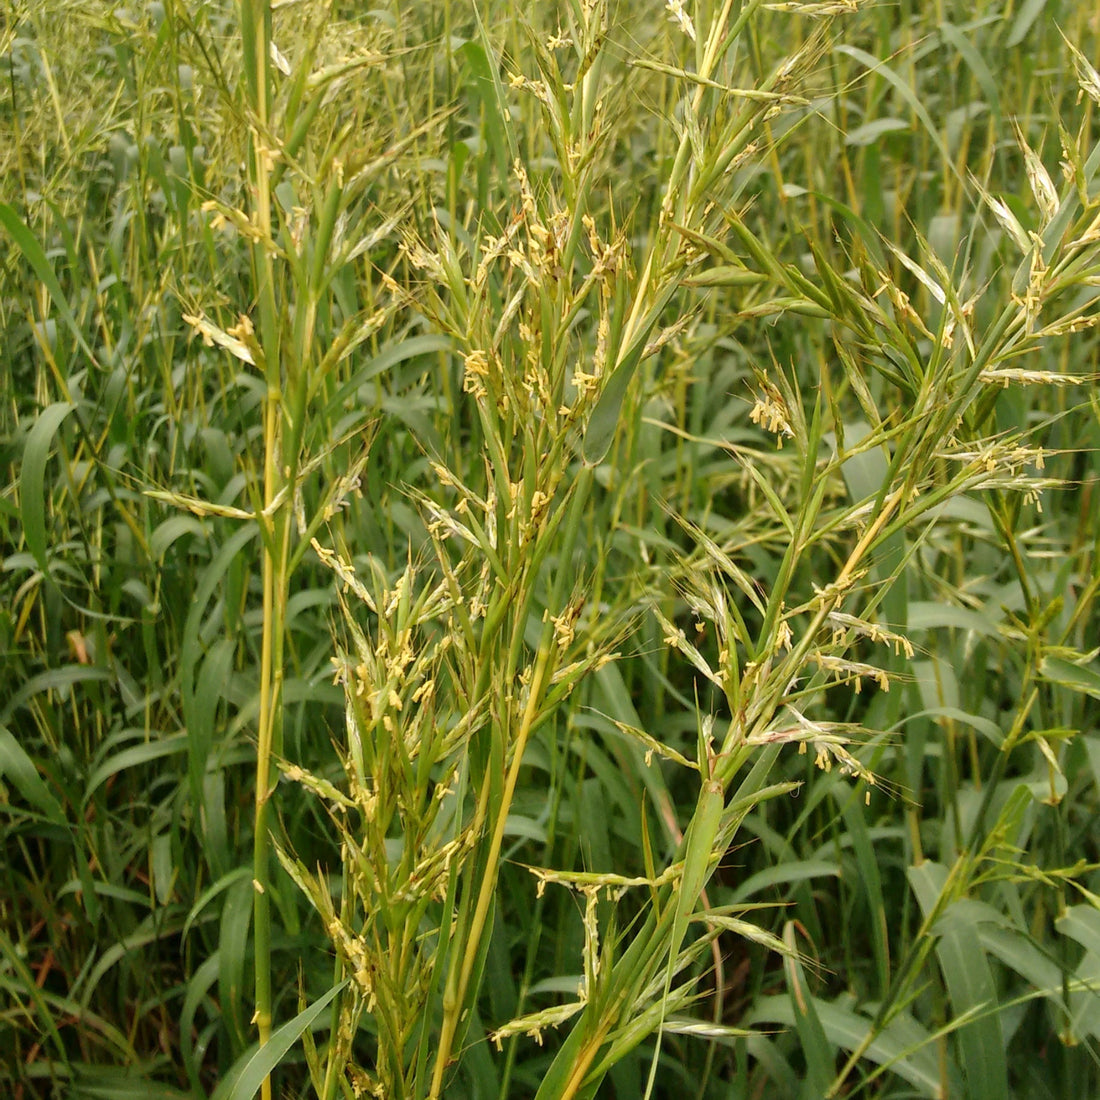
(275, 518)
(294, 260)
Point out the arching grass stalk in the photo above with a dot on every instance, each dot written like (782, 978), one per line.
(294, 260)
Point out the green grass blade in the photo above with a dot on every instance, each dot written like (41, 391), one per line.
(971, 987)
(32, 479)
(905, 90)
(36, 257)
(252, 1069)
(19, 770)
(819, 1053)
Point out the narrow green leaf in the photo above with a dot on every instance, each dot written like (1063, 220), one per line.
(234, 970)
(784, 874)
(36, 257)
(869, 883)
(604, 420)
(930, 615)
(109, 1083)
(1019, 951)
(1025, 18)
(985, 726)
(819, 1053)
(903, 1046)
(208, 895)
(1082, 923)
(491, 92)
(32, 478)
(977, 65)
(18, 768)
(198, 988)
(27, 990)
(605, 416)
(870, 132)
(53, 679)
(252, 1069)
(132, 758)
(970, 984)
(907, 93)
(173, 528)
(1079, 678)
(394, 353)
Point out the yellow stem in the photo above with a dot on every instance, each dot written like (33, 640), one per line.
(584, 1060)
(455, 994)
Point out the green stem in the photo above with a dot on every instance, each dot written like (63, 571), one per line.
(464, 956)
(255, 42)
(462, 966)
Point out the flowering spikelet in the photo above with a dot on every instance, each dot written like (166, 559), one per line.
(676, 9)
(771, 413)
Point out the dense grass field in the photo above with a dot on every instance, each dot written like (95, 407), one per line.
(549, 550)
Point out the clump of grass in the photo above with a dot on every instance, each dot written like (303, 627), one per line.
(687, 420)
(518, 336)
